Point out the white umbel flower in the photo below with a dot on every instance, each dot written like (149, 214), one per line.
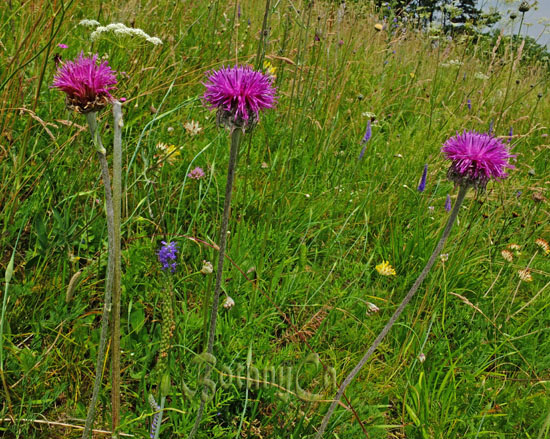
(122, 29)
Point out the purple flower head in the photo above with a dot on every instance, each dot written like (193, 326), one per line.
(167, 255)
(366, 138)
(511, 134)
(196, 174)
(86, 84)
(469, 103)
(422, 185)
(62, 46)
(239, 94)
(476, 158)
(448, 203)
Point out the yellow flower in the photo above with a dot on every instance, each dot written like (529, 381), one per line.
(378, 26)
(269, 68)
(168, 152)
(385, 269)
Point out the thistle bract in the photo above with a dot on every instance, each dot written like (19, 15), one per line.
(476, 158)
(239, 94)
(86, 83)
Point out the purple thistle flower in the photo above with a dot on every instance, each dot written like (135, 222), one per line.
(167, 255)
(196, 174)
(469, 103)
(366, 138)
(422, 186)
(86, 84)
(476, 158)
(156, 416)
(448, 203)
(239, 94)
(62, 46)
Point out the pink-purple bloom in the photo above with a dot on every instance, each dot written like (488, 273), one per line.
(239, 94)
(196, 174)
(476, 158)
(62, 46)
(86, 84)
(167, 255)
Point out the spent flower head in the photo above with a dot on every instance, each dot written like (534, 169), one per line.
(192, 127)
(228, 303)
(543, 244)
(86, 83)
(167, 255)
(476, 159)
(239, 94)
(525, 275)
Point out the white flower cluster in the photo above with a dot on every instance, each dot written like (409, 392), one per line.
(452, 62)
(482, 76)
(121, 29)
(89, 23)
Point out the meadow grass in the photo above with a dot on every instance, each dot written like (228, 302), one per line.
(310, 221)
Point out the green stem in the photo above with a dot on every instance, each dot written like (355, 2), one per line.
(236, 135)
(8, 275)
(460, 198)
(92, 123)
(115, 335)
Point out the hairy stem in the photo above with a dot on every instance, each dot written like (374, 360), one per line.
(236, 135)
(115, 335)
(397, 313)
(92, 123)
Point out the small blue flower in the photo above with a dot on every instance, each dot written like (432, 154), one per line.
(469, 104)
(448, 203)
(511, 134)
(156, 416)
(366, 138)
(422, 186)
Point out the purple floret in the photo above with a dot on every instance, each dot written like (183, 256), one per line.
(86, 84)
(167, 255)
(476, 158)
(239, 93)
(196, 174)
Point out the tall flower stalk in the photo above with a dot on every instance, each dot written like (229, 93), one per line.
(87, 87)
(475, 159)
(238, 94)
